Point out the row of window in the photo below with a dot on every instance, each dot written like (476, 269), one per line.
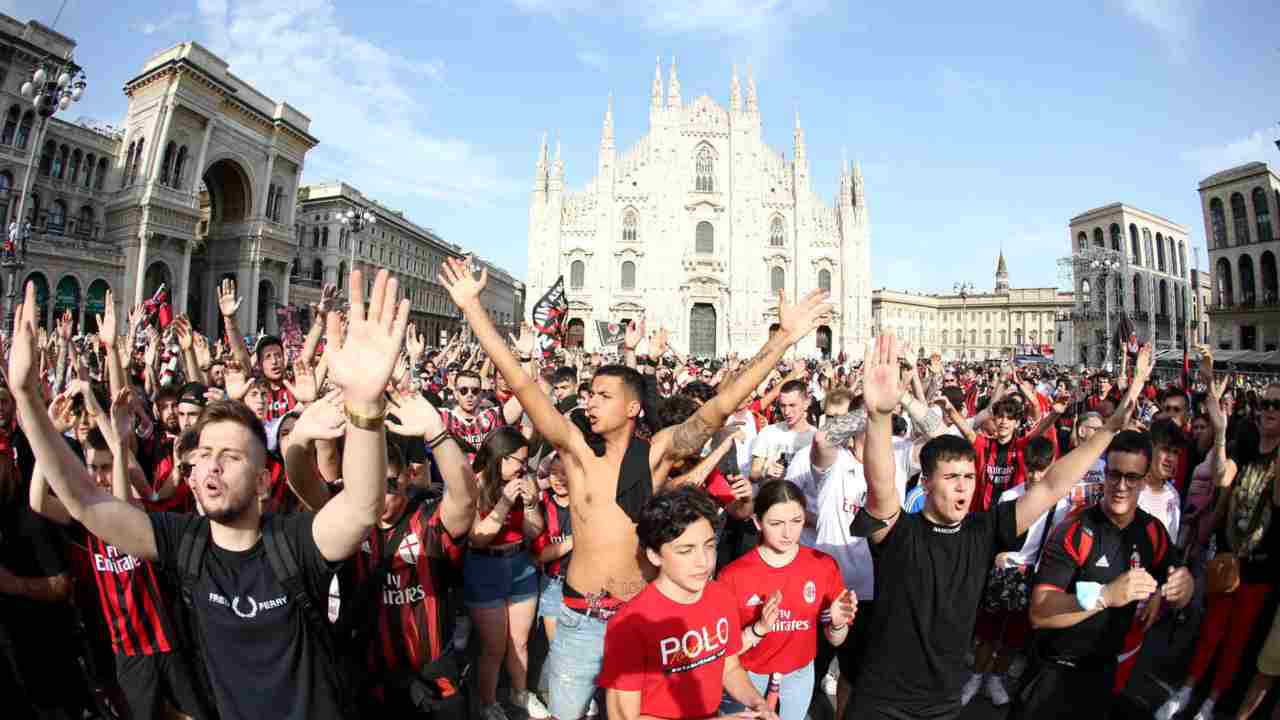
(1164, 294)
(52, 219)
(627, 280)
(434, 302)
(62, 163)
(173, 165)
(704, 234)
(17, 127)
(1032, 337)
(1243, 272)
(1240, 219)
(1144, 253)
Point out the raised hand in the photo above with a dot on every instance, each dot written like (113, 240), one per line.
(463, 286)
(200, 344)
(236, 380)
(152, 353)
(635, 333)
(798, 320)
(121, 416)
(415, 417)
(64, 327)
(303, 386)
(60, 412)
(228, 302)
(882, 385)
(107, 323)
(1142, 368)
(415, 344)
(137, 315)
(321, 420)
(182, 330)
(658, 343)
(844, 608)
(24, 355)
(361, 363)
(328, 299)
(525, 343)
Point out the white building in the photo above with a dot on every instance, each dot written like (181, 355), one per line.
(697, 226)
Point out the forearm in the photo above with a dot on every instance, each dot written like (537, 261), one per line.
(1044, 425)
(65, 473)
(312, 341)
(926, 422)
(115, 371)
(45, 589)
(534, 523)
(302, 478)
(739, 686)
(484, 530)
(235, 341)
(1067, 470)
(836, 636)
(461, 492)
(43, 503)
(880, 467)
(1053, 609)
(754, 372)
(555, 551)
(698, 475)
(191, 367)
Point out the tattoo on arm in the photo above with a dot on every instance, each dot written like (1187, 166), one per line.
(689, 437)
(839, 428)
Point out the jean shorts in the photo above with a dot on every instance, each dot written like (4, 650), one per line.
(490, 582)
(551, 597)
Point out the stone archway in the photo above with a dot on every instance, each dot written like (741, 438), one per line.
(226, 196)
(226, 203)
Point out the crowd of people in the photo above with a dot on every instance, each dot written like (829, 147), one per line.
(364, 525)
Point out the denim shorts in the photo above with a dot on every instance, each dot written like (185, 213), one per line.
(551, 597)
(577, 653)
(490, 582)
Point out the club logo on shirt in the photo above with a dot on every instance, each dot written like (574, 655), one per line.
(247, 608)
(410, 548)
(1102, 562)
(695, 648)
(754, 600)
(810, 592)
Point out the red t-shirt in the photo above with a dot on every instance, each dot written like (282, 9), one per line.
(718, 488)
(999, 468)
(671, 653)
(809, 584)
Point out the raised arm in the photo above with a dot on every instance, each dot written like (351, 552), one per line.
(1221, 468)
(796, 321)
(111, 519)
(360, 365)
(1069, 469)
(882, 390)
(418, 417)
(328, 299)
(107, 336)
(323, 420)
(229, 305)
(465, 290)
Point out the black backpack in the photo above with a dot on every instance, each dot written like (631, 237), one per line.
(341, 667)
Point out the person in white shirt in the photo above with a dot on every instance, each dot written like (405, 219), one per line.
(778, 443)
(1159, 496)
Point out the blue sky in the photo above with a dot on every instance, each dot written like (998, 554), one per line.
(978, 125)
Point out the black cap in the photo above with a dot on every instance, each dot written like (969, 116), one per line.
(193, 393)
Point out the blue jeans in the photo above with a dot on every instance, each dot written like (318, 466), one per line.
(577, 652)
(794, 693)
(550, 597)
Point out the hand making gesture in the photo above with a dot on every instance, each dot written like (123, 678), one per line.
(882, 385)
(361, 363)
(635, 333)
(462, 284)
(844, 608)
(228, 302)
(796, 321)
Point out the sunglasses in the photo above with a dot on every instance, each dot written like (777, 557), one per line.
(466, 390)
(1130, 479)
(184, 469)
(1269, 404)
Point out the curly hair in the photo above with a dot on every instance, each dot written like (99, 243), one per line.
(670, 512)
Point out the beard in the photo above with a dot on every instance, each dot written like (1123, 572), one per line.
(233, 510)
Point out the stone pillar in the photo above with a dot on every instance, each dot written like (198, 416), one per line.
(184, 279)
(254, 280)
(284, 294)
(204, 152)
(140, 278)
(261, 210)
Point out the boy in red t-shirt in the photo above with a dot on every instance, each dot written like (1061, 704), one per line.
(672, 648)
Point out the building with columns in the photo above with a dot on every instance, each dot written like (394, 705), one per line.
(1128, 261)
(1239, 205)
(327, 251)
(697, 227)
(976, 325)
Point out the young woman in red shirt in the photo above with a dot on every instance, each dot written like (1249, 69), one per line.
(786, 593)
(500, 582)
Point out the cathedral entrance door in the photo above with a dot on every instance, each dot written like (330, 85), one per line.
(702, 331)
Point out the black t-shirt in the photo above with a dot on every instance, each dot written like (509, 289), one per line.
(261, 661)
(929, 581)
(1090, 548)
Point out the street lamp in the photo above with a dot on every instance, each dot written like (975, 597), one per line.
(1102, 267)
(963, 289)
(355, 220)
(54, 86)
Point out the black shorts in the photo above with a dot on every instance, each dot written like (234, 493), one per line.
(146, 680)
(850, 652)
(1049, 690)
(872, 710)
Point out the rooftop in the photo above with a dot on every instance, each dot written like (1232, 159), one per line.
(1236, 173)
(1119, 207)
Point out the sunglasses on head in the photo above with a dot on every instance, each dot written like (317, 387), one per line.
(465, 390)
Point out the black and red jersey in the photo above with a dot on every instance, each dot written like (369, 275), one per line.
(279, 401)
(999, 468)
(414, 621)
(559, 527)
(130, 596)
(475, 429)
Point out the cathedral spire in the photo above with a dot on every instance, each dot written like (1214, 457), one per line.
(540, 169)
(673, 88)
(606, 139)
(753, 107)
(655, 98)
(799, 139)
(735, 92)
(859, 196)
(1002, 274)
(556, 181)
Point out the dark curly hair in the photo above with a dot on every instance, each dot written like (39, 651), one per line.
(676, 409)
(670, 512)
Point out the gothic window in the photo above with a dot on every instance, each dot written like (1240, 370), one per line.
(1247, 292)
(1239, 219)
(629, 227)
(824, 280)
(1097, 237)
(704, 180)
(315, 237)
(1262, 214)
(90, 163)
(10, 126)
(60, 162)
(47, 155)
(179, 165)
(1218, 220)
(1082, 240)
(577, 274)
(324, 238)
(1135, 251)
(57, 216)
(137, 160)
(102, 174)
(777, 232)
(74, 170)
(777, 279)
(1147, 248)
(1160, 252)
(1137, 293)
(1115, 237)
(705, 239)
(317, 270)
(628, 275)
(166, 163)
(84, 225)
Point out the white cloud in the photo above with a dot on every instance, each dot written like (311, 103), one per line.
(367, 104)
(164, 24)
(1257, 146)
(592, 59)
(743, 18)
(1172, 21)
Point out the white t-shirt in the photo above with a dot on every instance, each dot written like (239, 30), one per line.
(777, 441)
(1029, 553)
(835, 497)
(748, 421)
(1165, 505)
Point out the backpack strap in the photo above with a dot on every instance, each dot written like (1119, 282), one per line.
(191, 551)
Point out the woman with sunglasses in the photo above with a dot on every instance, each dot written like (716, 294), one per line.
(500, 582)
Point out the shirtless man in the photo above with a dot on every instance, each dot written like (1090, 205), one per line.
(606, 492)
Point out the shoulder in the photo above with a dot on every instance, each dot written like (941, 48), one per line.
(734, 570)
(814, 556)
(718, 593)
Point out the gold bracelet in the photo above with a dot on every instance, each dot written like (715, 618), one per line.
(371, 423)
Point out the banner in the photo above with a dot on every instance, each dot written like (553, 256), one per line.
(611, 333)
(549, 315)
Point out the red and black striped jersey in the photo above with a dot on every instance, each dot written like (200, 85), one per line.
(130, 596)
(559, 527)
(414, 622)
(279, 402)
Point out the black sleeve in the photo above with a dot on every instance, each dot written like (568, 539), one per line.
(298, 532)
(168, 528)
(1005, 516)
(649, 402)
(1058, 567)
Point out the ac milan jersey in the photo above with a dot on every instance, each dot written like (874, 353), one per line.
(413, 617)
(130, 596)
(559, 527)
(473, 431)
(999, 468)
(279, 402)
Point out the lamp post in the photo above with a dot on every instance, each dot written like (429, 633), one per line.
(1102, 267)
(963, 289)
(355, 220)
(54, 86)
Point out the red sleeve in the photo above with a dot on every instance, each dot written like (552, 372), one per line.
(835, 582)
(440, 543)
(623, 667)
(735, 625)
(718, 488)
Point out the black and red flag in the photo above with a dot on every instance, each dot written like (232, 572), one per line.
(549, 316)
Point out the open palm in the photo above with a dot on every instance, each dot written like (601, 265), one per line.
(881, 379)
(463, 286)
(24, 364)
(362, 362)
(801, 318)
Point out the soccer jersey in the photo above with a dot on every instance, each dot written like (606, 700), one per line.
(475, 429)
(559, 527)
(130, 596)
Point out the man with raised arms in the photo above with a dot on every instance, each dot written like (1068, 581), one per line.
(607, 491)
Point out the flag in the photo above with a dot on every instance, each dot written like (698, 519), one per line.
(1186, 366)
(611, 333)
(158, 306)
(549, 315)
(1126, 338)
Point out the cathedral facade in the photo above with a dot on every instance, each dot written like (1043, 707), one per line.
(697, 227)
